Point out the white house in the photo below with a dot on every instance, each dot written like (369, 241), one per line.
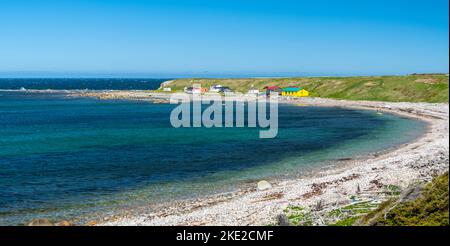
(216, 88)
(253, 91)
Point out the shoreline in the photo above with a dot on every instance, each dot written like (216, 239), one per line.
(365, 177)
(333, 185)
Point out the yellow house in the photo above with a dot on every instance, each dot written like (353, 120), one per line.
(294, 92)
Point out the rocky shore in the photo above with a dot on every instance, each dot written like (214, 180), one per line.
(365, 179)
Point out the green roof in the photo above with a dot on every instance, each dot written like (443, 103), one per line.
(292, 89)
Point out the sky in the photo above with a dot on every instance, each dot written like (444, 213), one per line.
(230, 38)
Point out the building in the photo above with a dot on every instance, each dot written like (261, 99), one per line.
(220, 88)
(216, 88)
(253, 91)
(199, 90)
(273, 88)
(226, 89)
(294, 92)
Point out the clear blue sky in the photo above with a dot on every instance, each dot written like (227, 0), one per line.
(346, 37)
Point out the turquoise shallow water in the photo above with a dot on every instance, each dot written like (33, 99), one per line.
(62, 158)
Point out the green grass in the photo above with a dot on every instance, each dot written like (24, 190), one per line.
(429, 209)
(410, 88)
(298, 216)
(349, 214)
(359, 208)
(393, 190)
(349, 221)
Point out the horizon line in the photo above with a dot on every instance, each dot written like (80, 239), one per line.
(181, 75)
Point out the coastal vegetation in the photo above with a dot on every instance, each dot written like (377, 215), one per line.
(429, 208)
(419, 205)
(409, 88)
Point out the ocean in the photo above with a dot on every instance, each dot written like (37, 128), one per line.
(68, 158)
(80, 84)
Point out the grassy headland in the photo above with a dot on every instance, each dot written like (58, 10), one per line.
(408, 88)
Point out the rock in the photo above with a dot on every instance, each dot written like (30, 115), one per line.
(92, 223)
(264, 185)
(41, 222)
(283, 220)
(65, 223)
(411, 193)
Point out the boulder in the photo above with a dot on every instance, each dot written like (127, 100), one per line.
(92, 223)
(264, 185)
(283, 220)
(411, 193)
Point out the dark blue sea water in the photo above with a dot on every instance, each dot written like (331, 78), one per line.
(68, 157)
(80, 84)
